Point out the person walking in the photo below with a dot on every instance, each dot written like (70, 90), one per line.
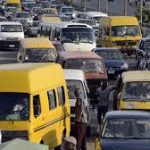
(81, 119)
(102, 94)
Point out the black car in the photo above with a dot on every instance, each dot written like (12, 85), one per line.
(113, 59)
(142, 49)
(124, 130)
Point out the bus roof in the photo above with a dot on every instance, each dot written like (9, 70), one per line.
(36, 43)
(119, 20)
(133, 76)
(13, 1)
(67, 24)
(30, 77)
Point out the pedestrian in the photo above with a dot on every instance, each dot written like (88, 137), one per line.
(102, 94)
(70, 143)
(81, 119)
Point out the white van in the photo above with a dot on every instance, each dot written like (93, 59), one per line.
(95, 15)
(10, 35)
(73, 36)
(75, 78)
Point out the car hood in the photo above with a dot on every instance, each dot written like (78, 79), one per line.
(114, 63)
(126, 144)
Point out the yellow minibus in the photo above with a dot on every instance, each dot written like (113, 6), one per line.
(34, 103)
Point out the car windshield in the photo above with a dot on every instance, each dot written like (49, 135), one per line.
(40, 55)
(23, 15)
(77, 35)
(109, 54)
(87, 65)
(12, 9)
(71, 85)
(11, 28)
(137, 91)
(146, 45)
(14, 106)
(67, 10)
(125, 31)
(126, 128)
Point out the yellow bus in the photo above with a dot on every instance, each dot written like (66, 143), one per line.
(122, 32)
(36, 50)
(14, 3)
(34, 103)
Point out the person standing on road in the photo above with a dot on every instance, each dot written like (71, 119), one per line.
(102, 94)
(81, 119)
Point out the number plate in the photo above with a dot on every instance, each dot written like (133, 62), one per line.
(111, 71)
(11, 45)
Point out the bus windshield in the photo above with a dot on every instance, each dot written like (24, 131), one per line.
(125, 30)
(79, 35)
(14, 106)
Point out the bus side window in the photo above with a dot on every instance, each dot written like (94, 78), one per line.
(52, 99)
(100, 31)
(61, 95)
(36, 106)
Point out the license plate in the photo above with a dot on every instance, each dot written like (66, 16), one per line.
(11, 46)
(111, 71)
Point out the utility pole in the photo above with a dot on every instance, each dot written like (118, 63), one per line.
(106, 4)
(99, 5)
(85, 3)
(125, 7)
(141, 12)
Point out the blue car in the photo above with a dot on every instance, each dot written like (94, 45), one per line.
(113, 60)
(124, 130)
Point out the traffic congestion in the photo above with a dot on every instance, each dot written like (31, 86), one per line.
(73, 79)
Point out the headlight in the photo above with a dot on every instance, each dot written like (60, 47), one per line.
(125, 66)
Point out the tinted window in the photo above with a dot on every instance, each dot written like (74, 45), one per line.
(61, 95)
(51, 99)
(36, 105)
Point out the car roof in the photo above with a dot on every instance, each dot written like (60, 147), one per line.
(131, 76)
(79, 54)
(74, 74)
(127, 114)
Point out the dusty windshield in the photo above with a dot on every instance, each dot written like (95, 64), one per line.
(87, 65)
(127, 128)
(77, 35)
(125, 31)
(14, 106)
(71, 85)
(40, 55)
(11, 28)
(137, 91)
